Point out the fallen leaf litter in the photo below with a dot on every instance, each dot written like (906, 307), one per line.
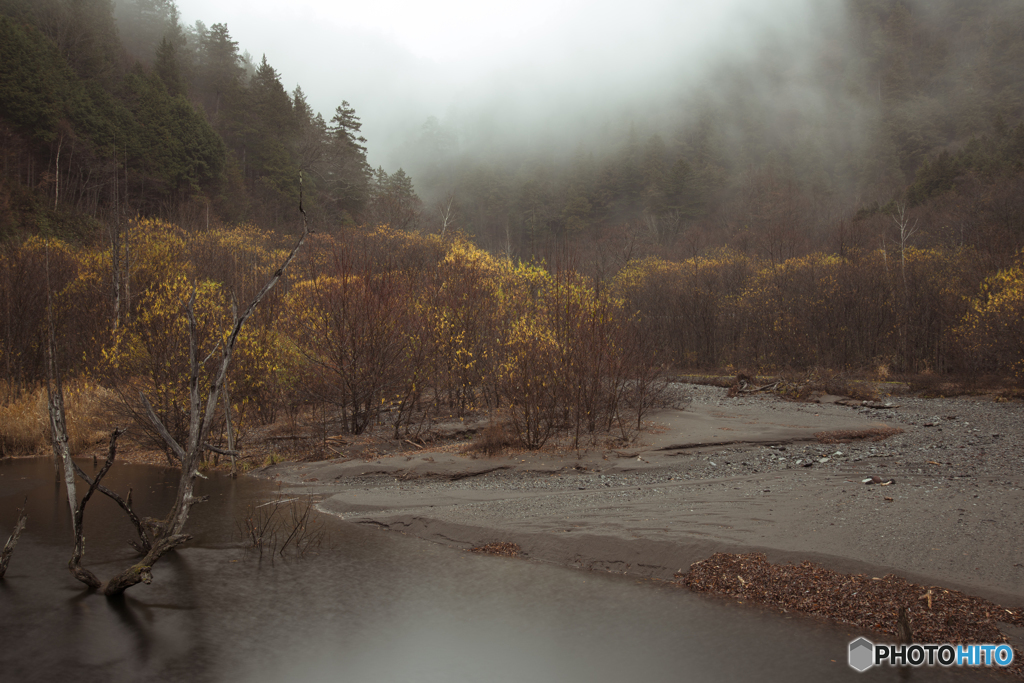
(505, 549)
(937, 615)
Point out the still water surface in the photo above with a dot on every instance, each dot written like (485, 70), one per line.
(374, 607)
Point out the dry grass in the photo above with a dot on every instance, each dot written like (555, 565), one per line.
(935, 385)
(25, 422)
(494, 439)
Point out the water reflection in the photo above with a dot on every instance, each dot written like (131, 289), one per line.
(377, 607)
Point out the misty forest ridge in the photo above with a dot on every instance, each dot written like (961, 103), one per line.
(842, 194)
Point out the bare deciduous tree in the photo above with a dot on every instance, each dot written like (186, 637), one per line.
(446, 211)
(157, 536)
(905, 230)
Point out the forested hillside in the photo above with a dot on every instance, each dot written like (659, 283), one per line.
(171, 121)
(854, 204)
(121, 109)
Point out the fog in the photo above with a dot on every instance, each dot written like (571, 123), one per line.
(531, 75)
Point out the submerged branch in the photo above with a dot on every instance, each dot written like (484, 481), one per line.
(19, 526)
(125, 503)
(75, 563)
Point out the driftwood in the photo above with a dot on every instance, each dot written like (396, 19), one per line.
(19, 526)
(856, 403)
(220, 451)
(785, 388)
(747, 388)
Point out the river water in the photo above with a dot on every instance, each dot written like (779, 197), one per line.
(371, 606)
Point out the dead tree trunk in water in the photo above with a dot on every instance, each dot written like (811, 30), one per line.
(200, 420)
(168, 533)
(62, 459)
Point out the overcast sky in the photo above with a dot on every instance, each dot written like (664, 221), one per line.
(399, 61)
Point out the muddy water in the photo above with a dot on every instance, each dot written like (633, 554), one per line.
(374, 607)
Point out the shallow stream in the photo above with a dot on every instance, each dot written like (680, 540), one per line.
(372, 607)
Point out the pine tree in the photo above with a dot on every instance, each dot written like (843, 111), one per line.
(393, 200)
(220, 74)
(270, 128)
(167, 68)
(347, 174)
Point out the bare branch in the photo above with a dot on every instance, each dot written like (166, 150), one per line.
(124, 503)
(193, 383)
(229, 344)
(221, 451)
(75, 563)
(19, 526)
(168, 531)
(162, 430)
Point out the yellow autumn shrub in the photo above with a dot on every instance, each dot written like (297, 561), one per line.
(993, 328)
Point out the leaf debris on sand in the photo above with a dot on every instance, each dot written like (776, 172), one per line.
(937, 615)
(504, 549)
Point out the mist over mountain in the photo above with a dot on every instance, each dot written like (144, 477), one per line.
(828, 109)
(645, 69)
(566, 76)
(534, 123)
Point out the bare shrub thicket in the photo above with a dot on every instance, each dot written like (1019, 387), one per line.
(351, 324)
(280, 526)
(863, 310)
(495, 438)
(149, 345)
(992, 331)
(400, 340)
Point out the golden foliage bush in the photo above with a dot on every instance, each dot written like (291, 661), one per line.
(993, 328)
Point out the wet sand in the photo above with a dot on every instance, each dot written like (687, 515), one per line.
(726, 475)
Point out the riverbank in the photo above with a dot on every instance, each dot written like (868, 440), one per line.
(733, 475)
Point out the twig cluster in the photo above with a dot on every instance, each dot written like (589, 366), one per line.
(280, 524)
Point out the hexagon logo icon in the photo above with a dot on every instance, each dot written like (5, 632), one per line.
(862, 653)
